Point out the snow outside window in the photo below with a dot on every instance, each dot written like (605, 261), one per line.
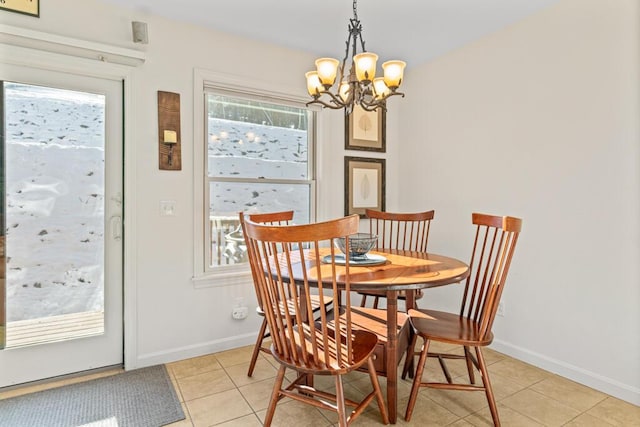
(259, 159)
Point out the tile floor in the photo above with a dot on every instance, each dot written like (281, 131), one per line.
(215, 390)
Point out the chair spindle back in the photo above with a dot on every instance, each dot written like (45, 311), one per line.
(493, 248)
(401, 231)
(278, 253)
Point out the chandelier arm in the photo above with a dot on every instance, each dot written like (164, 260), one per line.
(380, 103)
(325, 104)
(335, 99)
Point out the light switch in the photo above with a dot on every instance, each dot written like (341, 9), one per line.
(167, 207)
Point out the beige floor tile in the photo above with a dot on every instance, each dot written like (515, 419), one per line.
(492, 356)
(236, 356)
(617, 412)
(193, 366)
(246, 421)
(258, 394)
(461, 423)
(518, 371)
(570, 393)
(586, 420)
(263, 370)
(297, 414)
(540, 408)
(508, 418)
(218, 408)
(461, 403)
(426, 412)
(201, 385)
(369, 418)
(502, 386)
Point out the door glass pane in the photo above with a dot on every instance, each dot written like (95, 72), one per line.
(54, 170)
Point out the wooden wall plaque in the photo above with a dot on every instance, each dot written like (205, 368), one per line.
(169, 153)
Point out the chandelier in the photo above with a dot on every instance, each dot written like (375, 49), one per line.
(357, 83)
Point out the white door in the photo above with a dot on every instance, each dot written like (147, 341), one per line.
(62, 235)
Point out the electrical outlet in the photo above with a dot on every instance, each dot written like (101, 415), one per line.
(501, 309)
(240, 313)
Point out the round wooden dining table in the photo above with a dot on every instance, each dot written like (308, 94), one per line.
(399, 271)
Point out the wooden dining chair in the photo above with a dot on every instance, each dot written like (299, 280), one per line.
(327, 345)
(493, 247)
(402, 231)
(271, 218)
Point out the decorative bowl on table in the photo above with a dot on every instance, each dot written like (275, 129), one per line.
(359, 245)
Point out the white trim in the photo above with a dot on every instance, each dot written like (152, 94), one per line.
(224, 278)
(70, 64)
(130, 246)
(591, 379)
(200, 349)
(26, 38)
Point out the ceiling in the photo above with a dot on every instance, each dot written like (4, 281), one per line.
(412, 30)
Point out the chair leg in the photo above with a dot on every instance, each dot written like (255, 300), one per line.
(409, 358)
(376, 388)
(417, 381)
(487, 388)
(341, 406)
(467, 356)
(256, 348)
(275, 395)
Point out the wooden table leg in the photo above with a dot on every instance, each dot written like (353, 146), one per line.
(410, 305)
(392, 355)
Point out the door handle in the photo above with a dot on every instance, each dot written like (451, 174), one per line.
(116, 227)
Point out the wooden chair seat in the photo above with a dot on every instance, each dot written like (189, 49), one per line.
(448, 327)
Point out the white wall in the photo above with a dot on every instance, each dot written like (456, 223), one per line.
(541, 121)
(172, 319)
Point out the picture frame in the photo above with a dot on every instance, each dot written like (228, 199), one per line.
(26, 7)
(366, 130)
(364, 185)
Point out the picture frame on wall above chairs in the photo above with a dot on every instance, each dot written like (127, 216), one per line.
(364, 182)
(365, 130)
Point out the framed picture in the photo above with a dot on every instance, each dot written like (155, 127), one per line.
(364, 185)
(365, 130)
(28, 7)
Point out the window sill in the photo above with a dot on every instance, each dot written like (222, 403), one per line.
(228, 277)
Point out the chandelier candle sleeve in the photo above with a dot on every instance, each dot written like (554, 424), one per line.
(327, 69)
(314, 87)
(393, 72)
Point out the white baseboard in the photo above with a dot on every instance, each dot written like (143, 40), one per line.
(596, 381)
(180, 353)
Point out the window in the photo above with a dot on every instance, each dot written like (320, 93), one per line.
(259, 153)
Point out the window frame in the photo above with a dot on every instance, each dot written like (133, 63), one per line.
(207, 82)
